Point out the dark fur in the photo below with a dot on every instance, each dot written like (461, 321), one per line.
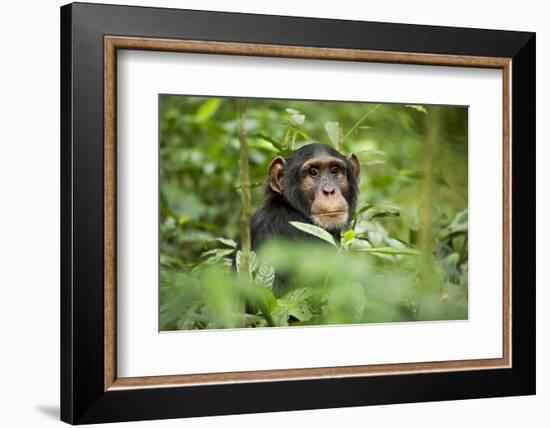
(273, 217)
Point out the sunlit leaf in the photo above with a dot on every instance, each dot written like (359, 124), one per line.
(317, 231)
(347, 237)
(295, 116)
(208, 109)
(228, 242)
(335, 133)
(421, 109)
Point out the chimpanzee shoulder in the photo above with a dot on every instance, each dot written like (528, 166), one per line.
(272, 220)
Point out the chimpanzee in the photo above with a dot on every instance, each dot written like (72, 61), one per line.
(315, 185)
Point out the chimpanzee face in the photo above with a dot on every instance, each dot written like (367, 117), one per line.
(319, 182)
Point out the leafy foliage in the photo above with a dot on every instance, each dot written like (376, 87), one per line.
(404, 258)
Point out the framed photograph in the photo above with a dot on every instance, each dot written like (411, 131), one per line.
(266, 213)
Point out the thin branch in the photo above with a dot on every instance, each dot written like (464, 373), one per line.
(354, 127)
(246, 202)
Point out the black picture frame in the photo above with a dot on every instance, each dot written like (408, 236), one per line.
(83, 396)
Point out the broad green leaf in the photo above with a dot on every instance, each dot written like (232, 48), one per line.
(300, 311)
(317, 231)
(252, 262)
(265, 276)
(300, 294)
(286, 309)
(296, 117)
(207, 109)
(335, 133)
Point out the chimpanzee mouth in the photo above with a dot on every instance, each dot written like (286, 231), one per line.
(330, 220)
(329, 213)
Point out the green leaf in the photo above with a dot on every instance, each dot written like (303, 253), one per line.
(227, 242)
(250, 320)
(363, 209)
(317, 231)
(299, 129)
(275, 143)
(348, 237)
(387, 250)
(459, 226)
(335, 133)
(372, 157)
(265, 276)
(299, 294)
(377, 212)
(296, 117)
(207, 109)
(217, 253)
(421, 109)
(373, 211)
(213, 257)
(252, 262)
(286, 309)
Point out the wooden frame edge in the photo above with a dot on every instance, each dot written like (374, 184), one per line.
(301, 52)
(507, 213)
(299, 374)
(109, 198)
(112, 43)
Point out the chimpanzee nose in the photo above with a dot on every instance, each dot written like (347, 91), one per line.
(328, 190)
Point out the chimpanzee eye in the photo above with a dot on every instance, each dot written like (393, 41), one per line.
(334, 170)
(313, 172)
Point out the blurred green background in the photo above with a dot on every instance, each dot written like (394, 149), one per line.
(405, 257)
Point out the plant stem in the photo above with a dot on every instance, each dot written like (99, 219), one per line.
(246, 202)
(354, 127)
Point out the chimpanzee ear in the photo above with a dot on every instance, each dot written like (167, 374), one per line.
(355, 166)
(275, 174)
